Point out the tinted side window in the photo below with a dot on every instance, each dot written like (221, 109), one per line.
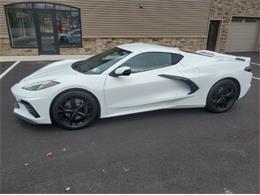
(149, 61)
(176, 58)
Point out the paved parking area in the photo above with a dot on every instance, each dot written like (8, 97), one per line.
(167, 151)
(4, 66)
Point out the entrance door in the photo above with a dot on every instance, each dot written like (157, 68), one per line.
(47, 34)
(213, 35)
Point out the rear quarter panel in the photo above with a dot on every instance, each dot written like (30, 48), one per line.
(215, 71)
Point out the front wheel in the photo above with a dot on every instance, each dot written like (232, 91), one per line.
(222, 96)
(74, 109)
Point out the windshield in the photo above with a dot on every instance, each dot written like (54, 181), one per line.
(100, 62)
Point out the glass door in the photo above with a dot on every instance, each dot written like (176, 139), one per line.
(213, 35)
(47, 34)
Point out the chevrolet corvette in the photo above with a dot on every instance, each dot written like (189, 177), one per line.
(131, 78)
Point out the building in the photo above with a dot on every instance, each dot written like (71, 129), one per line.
(90, 26)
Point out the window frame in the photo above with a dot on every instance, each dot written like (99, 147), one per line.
(6, 9)
(172, 55)
(33, 10)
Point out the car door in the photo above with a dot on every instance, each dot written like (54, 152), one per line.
(145, 88)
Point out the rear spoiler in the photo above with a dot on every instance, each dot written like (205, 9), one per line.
(223, 56)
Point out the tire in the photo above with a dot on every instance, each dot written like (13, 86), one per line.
(222, 96)
(74, 109)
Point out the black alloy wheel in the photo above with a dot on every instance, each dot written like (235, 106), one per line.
(74, 109)
(222, 96)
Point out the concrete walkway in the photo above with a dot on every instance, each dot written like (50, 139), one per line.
(41, 58)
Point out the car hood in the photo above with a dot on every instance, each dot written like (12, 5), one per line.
(53, 71)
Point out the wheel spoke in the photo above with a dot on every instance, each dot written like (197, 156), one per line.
(229, 94)
(215, 101)
(62, 107)
(73, 102)
(81, 106)
(65, 111)
(220, 90)
(84, 114)
(72, 117)
(81, 114)
(224, 103)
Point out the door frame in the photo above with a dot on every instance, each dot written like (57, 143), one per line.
(218, 34)
(38, 32)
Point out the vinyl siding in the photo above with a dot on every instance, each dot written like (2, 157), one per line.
(124, 18)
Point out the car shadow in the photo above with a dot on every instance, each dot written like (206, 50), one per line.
(153, 115)
(105, 122)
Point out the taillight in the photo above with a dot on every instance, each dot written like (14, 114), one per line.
(248, 68)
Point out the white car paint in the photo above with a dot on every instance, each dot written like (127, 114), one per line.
(137, 92)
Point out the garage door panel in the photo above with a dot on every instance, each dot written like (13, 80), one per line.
(242, 36)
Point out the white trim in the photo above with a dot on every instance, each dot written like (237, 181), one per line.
(255, 64)
(256, 78)
(9, 69)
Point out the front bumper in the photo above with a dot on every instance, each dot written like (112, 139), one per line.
(31, 106)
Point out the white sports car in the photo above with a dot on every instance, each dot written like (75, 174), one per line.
(131, 78)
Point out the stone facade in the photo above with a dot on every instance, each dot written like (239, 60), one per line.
(93, 45)
(225, 9)
(6, 50)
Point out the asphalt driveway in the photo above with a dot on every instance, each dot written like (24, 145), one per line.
(167, 151)
(4, 66)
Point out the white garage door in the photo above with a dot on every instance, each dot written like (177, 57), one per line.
(242, 35)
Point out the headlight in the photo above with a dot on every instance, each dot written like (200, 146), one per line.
(40, 85)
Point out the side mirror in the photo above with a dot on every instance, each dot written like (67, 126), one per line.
(122, 71)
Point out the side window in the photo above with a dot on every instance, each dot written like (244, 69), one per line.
(149, 61)
(176, 58)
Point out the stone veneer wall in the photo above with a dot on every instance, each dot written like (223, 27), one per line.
(225, 9)
(6, 50)
(95, 45)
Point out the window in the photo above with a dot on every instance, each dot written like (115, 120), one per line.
(252, 20)
(20, 5)
(237, 19)
(68, 23)
(43, 5)
(150, 61)
(24, 32)
(21, 28)
(176, 58)
(100, 62)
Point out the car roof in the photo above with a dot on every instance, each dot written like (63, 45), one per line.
(146, 47)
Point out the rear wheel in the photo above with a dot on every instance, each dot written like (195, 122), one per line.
(222, 96)
(74, 109)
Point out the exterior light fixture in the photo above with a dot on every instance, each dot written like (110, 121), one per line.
(141, 5)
